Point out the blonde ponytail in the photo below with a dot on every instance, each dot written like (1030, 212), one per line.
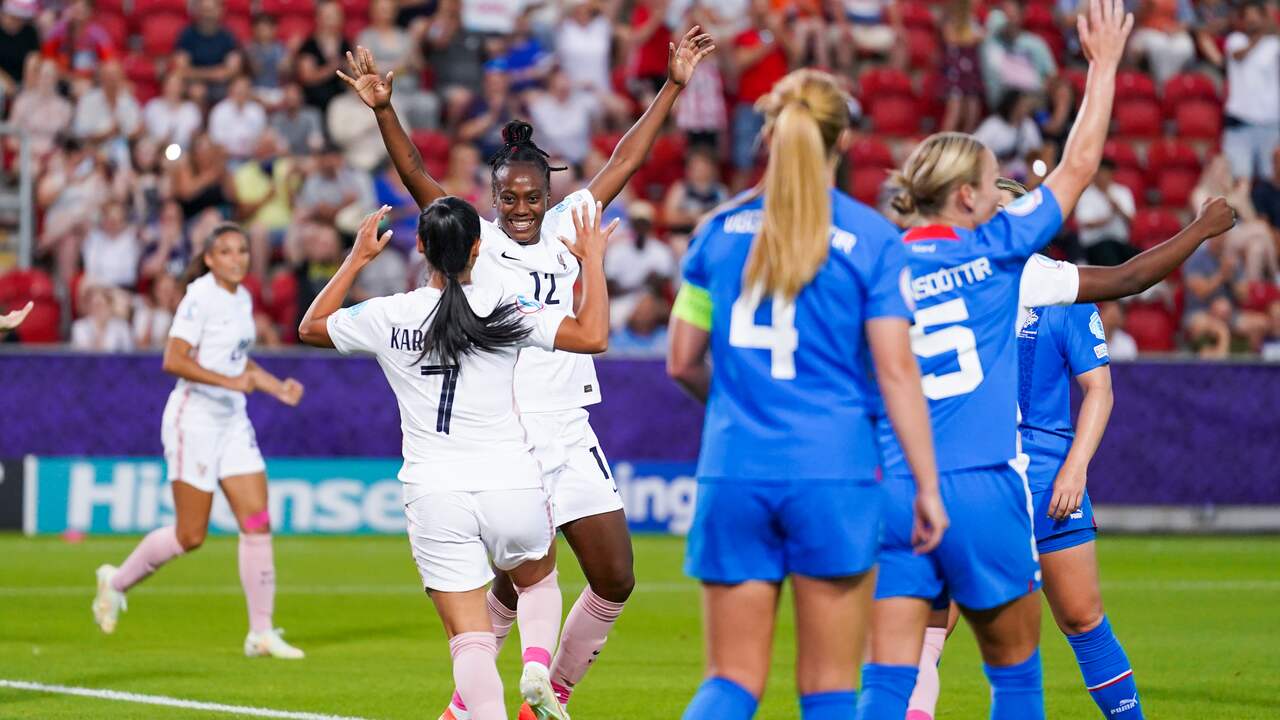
(804, 116)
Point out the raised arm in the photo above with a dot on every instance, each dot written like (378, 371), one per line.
(1102, 36)
(1095, 410)
(1151, 266)
(589, 331)
(631, 151)
(314, 328)
(375, 91)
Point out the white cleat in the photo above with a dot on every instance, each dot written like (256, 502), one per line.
(270, 644)
(535, 687)
(109, 601)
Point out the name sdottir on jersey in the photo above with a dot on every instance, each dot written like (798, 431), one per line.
(951, 278)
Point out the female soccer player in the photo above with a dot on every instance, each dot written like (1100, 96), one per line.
(795, 289)
(967, 263)
(553, 390)
(209, 441)
(473, 491)
(1055, 342)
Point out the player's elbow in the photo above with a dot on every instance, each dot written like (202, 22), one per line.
(310, 333)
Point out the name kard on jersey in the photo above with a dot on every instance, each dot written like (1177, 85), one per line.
(951, 278)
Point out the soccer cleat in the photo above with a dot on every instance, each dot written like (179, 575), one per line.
(535, 688)
(526, 713)
(109, 601)
(270, 644)
(453, 713)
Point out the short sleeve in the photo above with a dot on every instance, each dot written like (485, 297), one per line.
(188, 321)
(560, 218)
(1046, 281)
(695, 269)
(889, 291)
(1085, 339)
(359, 328)
(1024, 226)
(543, 324)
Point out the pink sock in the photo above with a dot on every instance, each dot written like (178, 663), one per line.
(258, 578)
(475, 674)
(585, 631)
(501, 616)
(924, 699)
(157, 548)
(538, 614)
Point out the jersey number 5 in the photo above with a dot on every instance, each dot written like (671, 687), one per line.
(448, 384)
(780, 337)
(957, 339)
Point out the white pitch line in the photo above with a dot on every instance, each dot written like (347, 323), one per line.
(169, 701)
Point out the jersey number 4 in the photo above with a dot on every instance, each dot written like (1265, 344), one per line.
(957, 339)
(448, 385)
(779, 338)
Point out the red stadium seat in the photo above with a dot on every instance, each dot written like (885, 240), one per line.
(1138, 118)
(870, 152)
(895, 116)
(1132, 85)
(1170, 153)
(1122, 154)
(434, 147)
(238, 7)
(1133, 179)
(115, 26)
(1039, 18)
(240, 25)
(606, 142)
(292, 27)
(281, 8)
(19, 286)
(1199, 120)
(1175, 186)
(932, 100)
(879, 83)
(664, 166)
(1188, 86)
(923, 48)
(865, 183)
(918, 15)
(1077, 78)
(144, 9)
(115, 7)
(160, 33)
(1152, 326)
(1153, 226)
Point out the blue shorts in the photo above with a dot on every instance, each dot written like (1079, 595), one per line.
(1047, 452)
(987, 557)
(749, 530)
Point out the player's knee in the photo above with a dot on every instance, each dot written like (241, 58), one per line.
(191, 538)
(616, 584)
(1080, 621)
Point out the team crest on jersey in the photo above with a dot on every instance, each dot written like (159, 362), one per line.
(1095, 326)
(1026, 204)
(527, 305)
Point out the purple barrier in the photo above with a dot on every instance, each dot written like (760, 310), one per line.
(1181, 433)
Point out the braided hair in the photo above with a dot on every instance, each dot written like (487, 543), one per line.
(518, 147)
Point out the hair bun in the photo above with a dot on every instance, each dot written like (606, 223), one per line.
(517, 132)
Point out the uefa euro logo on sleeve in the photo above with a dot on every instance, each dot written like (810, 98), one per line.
(1026, 204)
(527, 305)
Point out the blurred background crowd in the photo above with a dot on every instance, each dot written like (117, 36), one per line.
(150, 121)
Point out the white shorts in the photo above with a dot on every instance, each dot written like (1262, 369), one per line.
(456, 535)
(573, 464)
(200, 448)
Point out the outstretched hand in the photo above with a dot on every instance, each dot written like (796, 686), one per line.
(590, 240)
(368, 243)
(684, 58)
(372, 88)
(1104, 31)
(12, 320)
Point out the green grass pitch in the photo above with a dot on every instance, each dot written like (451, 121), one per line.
(1196, 615)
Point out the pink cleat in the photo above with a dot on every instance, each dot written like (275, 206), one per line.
(918, 715)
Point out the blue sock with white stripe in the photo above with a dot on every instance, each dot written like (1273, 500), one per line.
(1106, 672)
(835, 705)
(721, 699)
(1017, 691)
(886, 689)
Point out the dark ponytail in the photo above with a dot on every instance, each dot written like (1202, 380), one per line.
(518, 147)
(448, 229)
(197, 267)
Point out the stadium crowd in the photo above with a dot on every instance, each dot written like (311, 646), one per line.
(150, 121)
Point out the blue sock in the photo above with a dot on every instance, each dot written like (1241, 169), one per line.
(886, 689)
(721, 699)
(1106, 672)
(1017, 691)
(835, 705)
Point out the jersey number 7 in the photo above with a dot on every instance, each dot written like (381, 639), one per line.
(448, 384)
(957, 339)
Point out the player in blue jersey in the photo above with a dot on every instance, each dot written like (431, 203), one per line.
(967, 261)
(797, 290)
(1054, 343)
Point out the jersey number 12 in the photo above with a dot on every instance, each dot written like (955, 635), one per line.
(957, 339)
(779, 337)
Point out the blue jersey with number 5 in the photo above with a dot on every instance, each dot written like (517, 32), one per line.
(965, 286)
(791, 392)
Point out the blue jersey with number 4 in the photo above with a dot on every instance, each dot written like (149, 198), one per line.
(965, 286)
(791, 392)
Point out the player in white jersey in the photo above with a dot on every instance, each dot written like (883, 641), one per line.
(473, 491)
(553, 390)
(209, 441)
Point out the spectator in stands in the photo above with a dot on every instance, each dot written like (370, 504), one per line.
(321, 55)
(393, 46)
(584, 43)
(389, 190)
(1162, 37)
(147, 188)
(463, 178)
(1056, 119)
(207, 51)
(489, 113)
(153, 313)
(1103, 214)
(101, 329)
(300, 125)
(645, 331)
(264, 188)
(760, 60)
(525, 59)
(40, 110)
(1252, 123)
(1271, 346)
(77, 44)
(165, 250)
(330, 188)
(635, 264)
(355, 130)
(267, 61)
(693, 196)
(457, 57)
(1012, 134)
(1213, 23)
(387, 274)
(648, 42)
(72, 187)
(315, 253)
(236, 123)
(1120, 344)
(564, 118)
(701, 113)
(961, 67)
(868, 27)
(199, 179)
(1014, 58)
(112, 250)
(1215, 284)
(108, 114)
(1252, 240)
(170, 117)
(18, 42)
(1266, 194)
